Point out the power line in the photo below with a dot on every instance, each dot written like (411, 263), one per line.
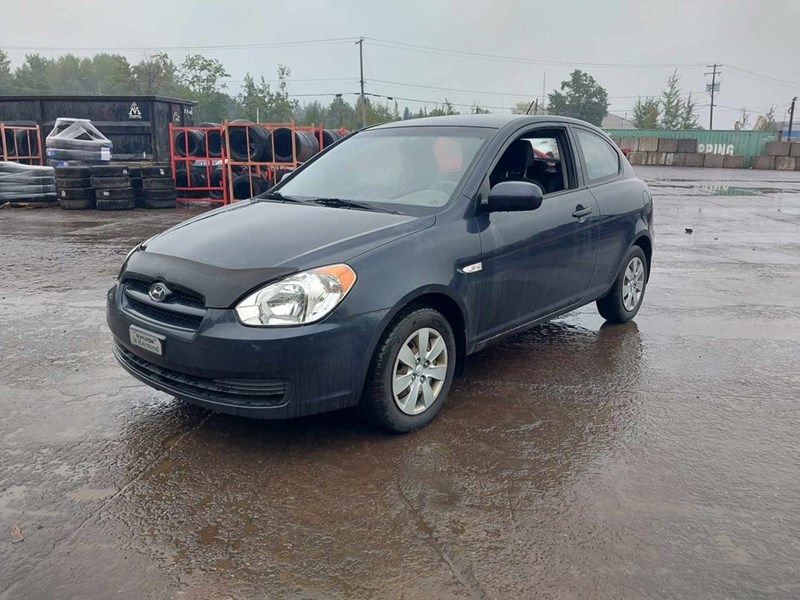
(498, 93)
(497, 57)
(320, 42)
(293, 80)
(765, 77)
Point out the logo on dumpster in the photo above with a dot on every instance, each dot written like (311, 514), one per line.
(134, 112)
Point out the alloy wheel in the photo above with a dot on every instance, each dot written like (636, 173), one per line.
(633, 284)
(419, 371)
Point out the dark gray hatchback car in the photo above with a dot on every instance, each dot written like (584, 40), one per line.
(367, 276)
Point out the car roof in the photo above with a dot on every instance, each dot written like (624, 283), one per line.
(494, 121)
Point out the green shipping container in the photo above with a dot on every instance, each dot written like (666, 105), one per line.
(725, 142)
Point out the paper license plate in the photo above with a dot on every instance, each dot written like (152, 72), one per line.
(145, 340)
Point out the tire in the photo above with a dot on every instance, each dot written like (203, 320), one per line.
(111, 183)
(76, 194)
(85, 204)
(158, 184)
(617, 306)
(72, 172)
(159, 203)
(189, 142)
(8, 181)
(115, 194)
(247, 186)
(109, 171)
(159, 195)
(116, 204)
(73, 182)
(155, 171)
(216, 181)
(249, 142)
(379, 401)
(213, 139)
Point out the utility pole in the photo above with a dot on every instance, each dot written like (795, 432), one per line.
(544, 84)
(791, 119)
(713, 87)
(360, 43)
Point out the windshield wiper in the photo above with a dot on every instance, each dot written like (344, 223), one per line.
(340, 203)
(278, 196)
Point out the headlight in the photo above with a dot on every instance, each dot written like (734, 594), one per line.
(298, 299)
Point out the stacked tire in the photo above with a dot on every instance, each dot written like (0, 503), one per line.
(112, 188)
(26, 183)
(135, 173)
(74, 188)
(158, 187)
(247, 185)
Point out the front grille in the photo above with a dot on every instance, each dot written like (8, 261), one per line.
(163, 316)
(184, 310)
(182, 295)
(242, 392)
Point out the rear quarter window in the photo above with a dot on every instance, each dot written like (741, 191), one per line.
(601, 160)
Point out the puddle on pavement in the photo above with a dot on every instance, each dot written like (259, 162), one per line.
(89, 494)
(723, 189)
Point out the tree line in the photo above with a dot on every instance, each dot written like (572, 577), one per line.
(202, 80)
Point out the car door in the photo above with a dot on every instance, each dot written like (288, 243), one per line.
(619, 200)
(537, 263)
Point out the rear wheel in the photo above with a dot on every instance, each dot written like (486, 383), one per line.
(411, 372)
(624, 299)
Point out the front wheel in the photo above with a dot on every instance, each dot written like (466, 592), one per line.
(411, 372)
(624, 299)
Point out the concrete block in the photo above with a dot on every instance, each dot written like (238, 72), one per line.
(695, 159)
(777, 149)
(616, 140)
(657, 159)
(678, 159)
(714, 161)
(648, 144)
(687, 146)
(638, 158)
(667, 144)
(629, 142)
(763, 162)
(795, 149)
(733, 162)
(785, 163)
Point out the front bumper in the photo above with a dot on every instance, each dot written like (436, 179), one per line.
(272, 373)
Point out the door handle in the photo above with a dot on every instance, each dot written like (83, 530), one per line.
(581, 212)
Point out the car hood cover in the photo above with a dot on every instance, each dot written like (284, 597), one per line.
(228, 252)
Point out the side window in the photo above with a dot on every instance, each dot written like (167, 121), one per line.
(601, 159)
(540, 156)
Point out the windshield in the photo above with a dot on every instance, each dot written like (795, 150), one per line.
(411, 169)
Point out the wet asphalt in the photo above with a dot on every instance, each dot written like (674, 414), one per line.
(658, 459)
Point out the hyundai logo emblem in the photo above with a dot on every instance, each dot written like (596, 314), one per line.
(158, 292)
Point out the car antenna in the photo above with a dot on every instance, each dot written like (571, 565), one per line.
(527, 112)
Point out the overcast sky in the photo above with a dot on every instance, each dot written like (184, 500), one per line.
(762, 37)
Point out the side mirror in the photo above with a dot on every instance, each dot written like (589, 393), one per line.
(515, 196)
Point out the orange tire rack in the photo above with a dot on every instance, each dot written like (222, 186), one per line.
(267, 170)
(31, 146)
(189, 159)
(182, 155)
